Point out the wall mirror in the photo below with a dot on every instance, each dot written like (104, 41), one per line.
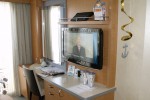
(52, 12)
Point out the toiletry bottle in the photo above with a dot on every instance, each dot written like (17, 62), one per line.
(85, 79)
(104, 10)
(98, 14)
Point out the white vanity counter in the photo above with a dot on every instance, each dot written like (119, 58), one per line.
(75, 87)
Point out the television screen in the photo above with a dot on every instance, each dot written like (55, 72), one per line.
(83, 46)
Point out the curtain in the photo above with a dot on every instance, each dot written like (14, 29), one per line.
(21, 39)
(15, 43)
(21, 32)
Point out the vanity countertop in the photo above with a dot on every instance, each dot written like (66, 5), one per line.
(75, 87)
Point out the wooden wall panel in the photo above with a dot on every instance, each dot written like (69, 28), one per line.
(105, 76)
(76, 6)
(17, 1)
(112, 53)
(109, 96)
(36, 29)
(100, 74)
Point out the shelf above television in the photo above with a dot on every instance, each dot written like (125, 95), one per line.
(85, 22)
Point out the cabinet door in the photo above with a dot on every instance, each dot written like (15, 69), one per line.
(54, 93)
(109, 96)
(23, 84)
(66, 96)
(51, 92)
(51, 96)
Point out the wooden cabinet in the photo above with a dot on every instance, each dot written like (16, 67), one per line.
(108, 96)
(54, 93)
(106, 75)
(67, 96)
(23, 84)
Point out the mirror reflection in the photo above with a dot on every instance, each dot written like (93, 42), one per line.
(52, 12)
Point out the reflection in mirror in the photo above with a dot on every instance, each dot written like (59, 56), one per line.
(52, 12)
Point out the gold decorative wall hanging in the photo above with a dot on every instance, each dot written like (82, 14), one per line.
(129, 36)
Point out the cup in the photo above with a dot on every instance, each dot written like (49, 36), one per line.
(84, 78)
(91, 79)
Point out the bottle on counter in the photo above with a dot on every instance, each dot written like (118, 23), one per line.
(104, 10)
(99, 10)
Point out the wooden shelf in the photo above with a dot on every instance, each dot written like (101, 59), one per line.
(85, 22)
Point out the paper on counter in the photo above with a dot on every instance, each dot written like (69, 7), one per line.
(81, 88)
(42, 75)
(51, 69)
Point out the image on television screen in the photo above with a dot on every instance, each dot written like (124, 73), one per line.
(83, 46)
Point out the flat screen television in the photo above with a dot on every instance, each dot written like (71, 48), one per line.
(83, 46)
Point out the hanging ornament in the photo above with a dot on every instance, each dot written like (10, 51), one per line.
(129, 36)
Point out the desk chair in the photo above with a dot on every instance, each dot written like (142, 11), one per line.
(33, 83)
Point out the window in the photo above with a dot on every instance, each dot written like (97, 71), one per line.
(6, 59)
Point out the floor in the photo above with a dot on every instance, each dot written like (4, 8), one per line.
(19, 98)
(7, 97)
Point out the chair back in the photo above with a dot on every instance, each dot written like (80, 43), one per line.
(31, 81)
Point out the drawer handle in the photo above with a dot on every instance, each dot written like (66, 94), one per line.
(60, 93)
(50, 93)
(50, 86)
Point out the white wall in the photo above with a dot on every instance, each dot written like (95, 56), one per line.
(145, 76)
(133, 72)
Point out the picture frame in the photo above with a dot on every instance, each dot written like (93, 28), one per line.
(71, 70)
